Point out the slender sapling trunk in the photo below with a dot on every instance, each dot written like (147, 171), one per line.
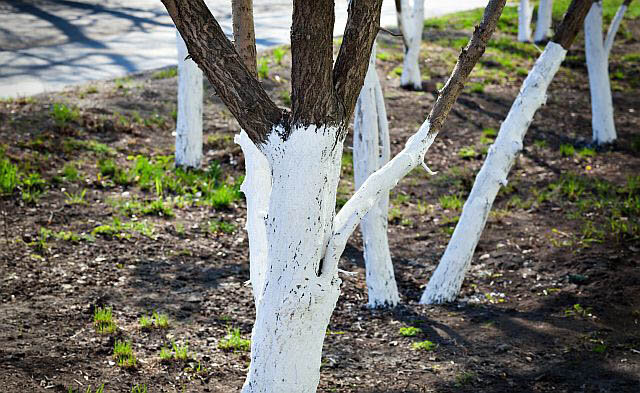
(543, 26)
(525, 13)
(410, 15)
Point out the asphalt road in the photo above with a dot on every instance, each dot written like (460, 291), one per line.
(46, 45)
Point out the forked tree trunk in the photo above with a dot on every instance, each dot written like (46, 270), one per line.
(525, 13)
(189, 121)
(597, 52)
(410, 15)
(371, 151)
(297, 286)
(446, 281)
(543, 26)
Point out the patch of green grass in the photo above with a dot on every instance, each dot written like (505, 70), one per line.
(424, 345)
(223, 196)
(587, 152)
(139, 389)
(467, 152)
(63, 114)
(166, 73)
(145, 322)
(278, 54)
(384, 56)
(631, 57)
(123, 354)
(99, 389)
(122, 83)
(567, 150)
(9, 177)
(217, 226)
(464, 379)
(157, 207)
(450, 202)
(540, 143)
(160, 320)
(180, 351)
(165, 354)
(263, 68)
(233, 341)
(476, 87)
(466, 20)
(33, 187)
(397, 71)
(409, 331)
(107, 167)
(70, 172)
(489, 132)
(103, 320)
(76, 198)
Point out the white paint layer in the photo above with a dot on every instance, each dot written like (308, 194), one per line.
(411, 24)
(543, 26)
(370, 152)
(525, 13)
(446, 281)
(604, 130)
(297, 295)
(613, 28)
(189, 121)
(257, 190)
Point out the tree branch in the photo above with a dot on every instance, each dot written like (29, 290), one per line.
(244, 34)
(312, 97)
(614, 26)
(209, 47)
(416, 147)
(572, 23)
(353, 59)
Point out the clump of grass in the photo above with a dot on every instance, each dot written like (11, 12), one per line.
(9, 178)
(450, 202)
(233, 341)
(70, 172)
(263, 68)
(75, 198)
(180, 351)
(139, 389)
(63, 114)
(409, 331)
(33, 187)
(424, 345)
(123, 354)
(467, 152)
(165, 354)
(587, 152)
(567, 150)
(103, 320)
(223, 196)
(107, 167)
(217, 226)
(170, 72)
(160, 320)
(99, 389)
(278, 54)
(145, 322)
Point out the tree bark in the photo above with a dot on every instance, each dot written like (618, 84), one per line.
(602, 123)
(543, 26)
(615, 25)
(371, 150)
(525, 13)
(411, 23)
(244, 33)
(447, 279)
(189, 121)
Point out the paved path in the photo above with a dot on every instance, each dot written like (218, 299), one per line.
(46, 45)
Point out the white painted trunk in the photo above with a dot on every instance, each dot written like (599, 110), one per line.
(411, 24)
(543, 26)
(296, 297)
(613, 28)
(446, 281)
(371, 151)
(602, 123)
(525, 13)
(190, 101)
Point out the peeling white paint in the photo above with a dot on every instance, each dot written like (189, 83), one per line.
(446, 280)
(371, 151)
(411, 24)
(189, 121)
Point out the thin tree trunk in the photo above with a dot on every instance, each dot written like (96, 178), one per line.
(602, 124)
(370, 152)
(525, 13)
(615, 25)
(189, 120)
(244, 32)
(410, 15)
(447, 279)
(543, 26)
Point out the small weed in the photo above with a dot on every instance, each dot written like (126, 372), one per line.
(578, 310)
(107, 167)
(70, 172)
(180, 352)
(467, 152)
(103, 320)
(170, 72)
(489, 133)
(464, 379)
(217, 226)
(263, 68)
(9, 177)
(99, 389)
(540, 143)
(160, 320)
(409, 331)
(567, 150)
(278, 54)
(145, 322)
(223, 196)
(424, 345)
(165, 354)
(587, 152)
(397, 71)
(233, 341)
(62, 114)
(123, 354)
(139, 389)
(75, 198)
(450, 202)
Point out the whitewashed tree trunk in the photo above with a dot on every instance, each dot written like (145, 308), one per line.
(604, 130)
(525, 13)
(371, 151)
(615, 25)
(411, 23)
(543, 26)
(296, 296)
(446, 280)
(190, 102)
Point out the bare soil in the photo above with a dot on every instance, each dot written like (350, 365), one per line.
(548, 306)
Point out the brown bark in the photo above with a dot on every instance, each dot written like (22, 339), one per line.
(466, 61)
(353, 58)
(572, 23)
(244, 34)
(312, 97)
(209, 47)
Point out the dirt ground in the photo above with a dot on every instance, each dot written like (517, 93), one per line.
(551, 304)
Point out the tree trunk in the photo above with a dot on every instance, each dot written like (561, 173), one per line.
(371, 151)
(189, 121)
(446, 280)
(296, 299)
(525, 13)
(244, 33)
(411, 23)
(543, 26)
(615, 25)
(602, 124)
